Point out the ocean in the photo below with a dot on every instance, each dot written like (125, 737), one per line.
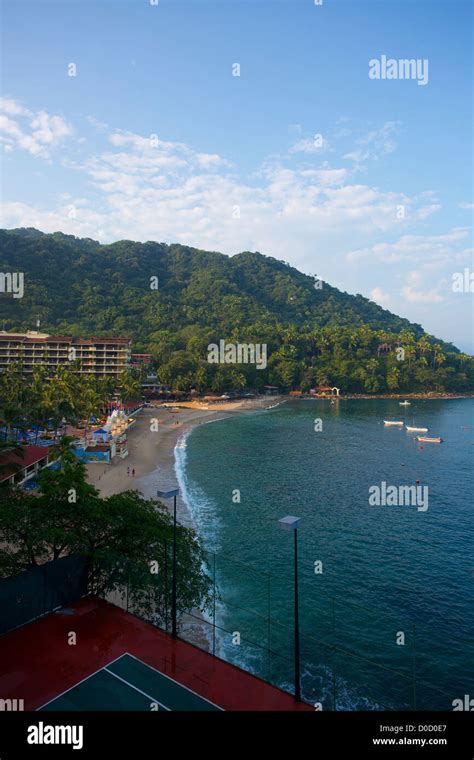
(386, 592)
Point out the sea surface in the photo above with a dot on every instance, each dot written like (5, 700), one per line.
(386, 592)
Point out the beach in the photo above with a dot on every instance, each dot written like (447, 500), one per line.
(156, 432)
(151, 443)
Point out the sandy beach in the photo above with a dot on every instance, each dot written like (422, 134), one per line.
(151, 447)
(151, 450)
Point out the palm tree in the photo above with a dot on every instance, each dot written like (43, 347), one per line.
(89, 403)
(129, 386)
(12, 393)
(424, 347)
(438, 356)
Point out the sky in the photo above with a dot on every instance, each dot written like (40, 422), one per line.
(262, 125)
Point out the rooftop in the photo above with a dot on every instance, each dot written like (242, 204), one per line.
(31, 455)
(33, 336)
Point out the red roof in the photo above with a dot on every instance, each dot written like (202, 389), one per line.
(31, 455)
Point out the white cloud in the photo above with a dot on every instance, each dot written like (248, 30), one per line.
(418, 296)
(35, 132)
(209, 160)
(12, 108)
(413, 292)
(466, 205)
(49, 129)
(378, 295)
(101, 126)
(316, 144)
(444, 247)
(293, 206)
(326, 177)
(147, 194)
(147, 188)
(374, 145)
(122, 138)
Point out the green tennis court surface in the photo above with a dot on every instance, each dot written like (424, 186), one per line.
(128, 684)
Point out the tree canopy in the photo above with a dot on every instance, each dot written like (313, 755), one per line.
(315, 333)
(125, 538)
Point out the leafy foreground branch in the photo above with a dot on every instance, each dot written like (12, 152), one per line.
(125, 538)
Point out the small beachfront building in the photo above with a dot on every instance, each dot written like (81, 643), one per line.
(271, 390)
(325, 390)
(99, 453)
(17, 470)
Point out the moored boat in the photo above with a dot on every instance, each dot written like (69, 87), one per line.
(393, 422)
(416, 429)
(426, 439)
(404, 403)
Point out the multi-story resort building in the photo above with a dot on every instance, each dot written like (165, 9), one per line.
(105, 357)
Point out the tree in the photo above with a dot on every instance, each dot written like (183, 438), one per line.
(124, 539)
(393, 378)
(129, 386)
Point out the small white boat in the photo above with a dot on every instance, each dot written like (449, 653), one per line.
(393, 422)
(425, 439)
(405, 403)
(416, 429)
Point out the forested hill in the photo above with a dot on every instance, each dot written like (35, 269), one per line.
(80, 287)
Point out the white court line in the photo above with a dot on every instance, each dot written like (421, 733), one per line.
(136, 689)
(79, 682)
(176, 682)
(127, 654)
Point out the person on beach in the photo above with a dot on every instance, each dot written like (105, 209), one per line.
(128, 470)
(133, 473)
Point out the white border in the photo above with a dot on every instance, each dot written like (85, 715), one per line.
(176, 682)
(128, 654)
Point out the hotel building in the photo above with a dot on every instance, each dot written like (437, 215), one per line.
(104, 357)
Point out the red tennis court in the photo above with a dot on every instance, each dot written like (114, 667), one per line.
(37, 664)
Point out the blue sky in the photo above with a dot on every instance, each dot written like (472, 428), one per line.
(367, 183)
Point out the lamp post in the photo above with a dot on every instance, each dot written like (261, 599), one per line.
(167, 495)
(291, 523)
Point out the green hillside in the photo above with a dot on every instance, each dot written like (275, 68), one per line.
(314, 335)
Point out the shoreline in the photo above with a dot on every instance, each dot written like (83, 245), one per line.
(153, 455)
(351, 396)
(152, 452)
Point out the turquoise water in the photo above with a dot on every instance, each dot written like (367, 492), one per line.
(389, 573)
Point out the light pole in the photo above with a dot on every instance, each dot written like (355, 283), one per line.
(291, 523)
(167, 495)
